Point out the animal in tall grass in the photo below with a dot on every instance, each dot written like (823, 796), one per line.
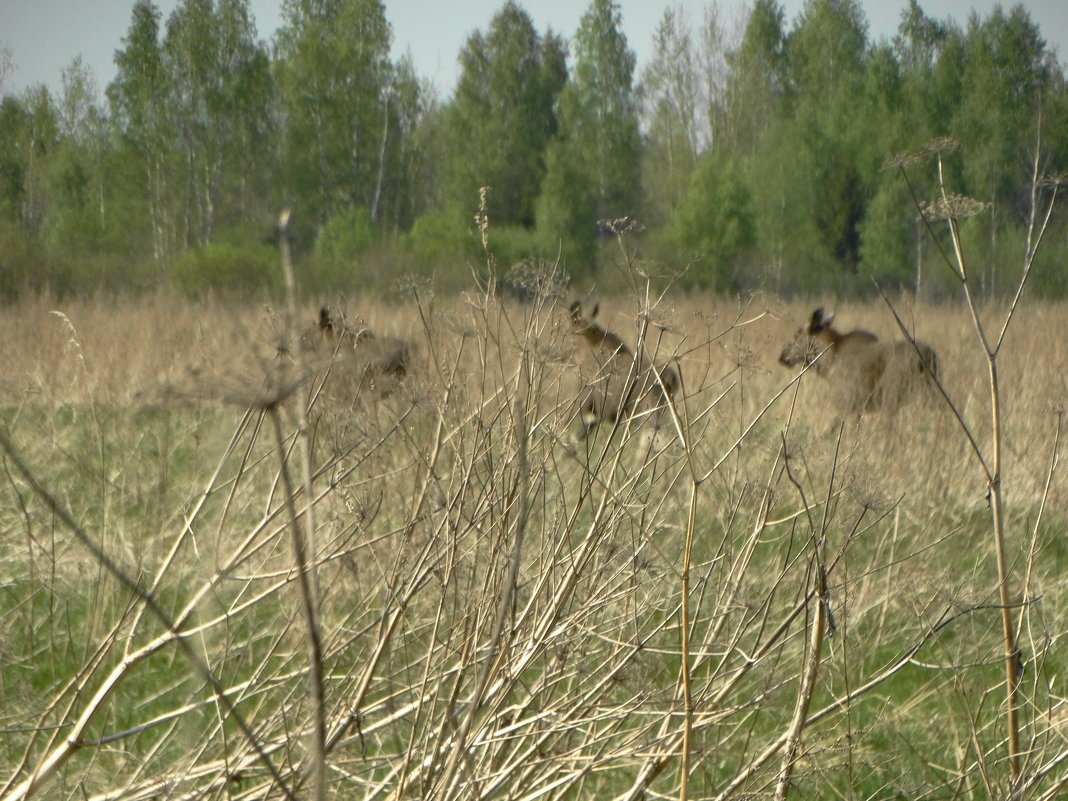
(625, 385)
(868, 374)
(370, 357)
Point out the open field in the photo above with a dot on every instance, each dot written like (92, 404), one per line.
(785, 597)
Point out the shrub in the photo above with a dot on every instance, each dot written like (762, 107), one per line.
(23, 262)
(511, 244)
(222, 267)
(439, 236)
(346, 235)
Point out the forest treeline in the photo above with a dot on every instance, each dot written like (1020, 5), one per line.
(750, 152)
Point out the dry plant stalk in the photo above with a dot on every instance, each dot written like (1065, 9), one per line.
(63, 751)
(953, 208)
(498, 617)
(303, 536)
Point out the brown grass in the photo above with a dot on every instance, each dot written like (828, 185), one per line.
(499, 617)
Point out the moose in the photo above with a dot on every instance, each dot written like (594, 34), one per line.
(625, 386)
(869, 373)
(372, 356)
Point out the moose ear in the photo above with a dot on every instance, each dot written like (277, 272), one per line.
(820, 320)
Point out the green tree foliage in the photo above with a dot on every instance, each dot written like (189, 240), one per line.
(600, 111)
(195, 107)
(243, 95)
(827, 61)
(1006, 78)
(670, 93)
(6, 67)
(757, 83)
(826, 49)
(924, 51)
(138, 97)
(218, 78)
(404, 167)
(919, 40)
(337, 87)
(14, 122)
(138, 92)
(339, 247)
(567, 217)
(502, 115)
(761, 147)
(246, 271)
(78, 204)
(22, 146)
(889, 239)
(595, 160)
(715, 223)
(40, 137)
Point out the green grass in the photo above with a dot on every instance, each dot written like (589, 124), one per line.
(415, 530)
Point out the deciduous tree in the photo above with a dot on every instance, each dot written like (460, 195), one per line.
(336, 79)
(501, 117)
(138, 97)
(597, 152)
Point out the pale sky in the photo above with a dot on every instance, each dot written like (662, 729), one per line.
(44, 36)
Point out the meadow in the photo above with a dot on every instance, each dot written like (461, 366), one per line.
(228, 574)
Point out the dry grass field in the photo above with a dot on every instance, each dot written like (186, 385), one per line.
(772, 595)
